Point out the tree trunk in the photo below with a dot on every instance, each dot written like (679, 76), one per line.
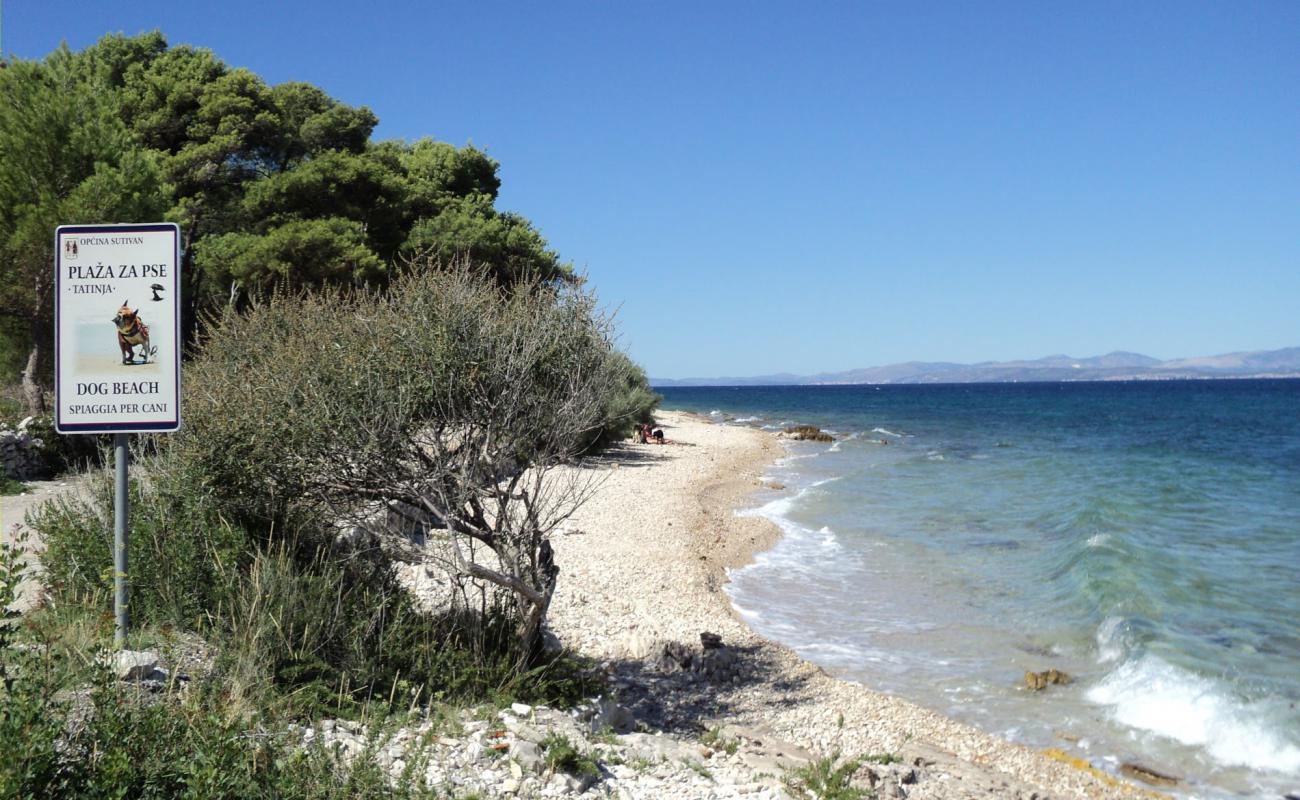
(529, 630)
(33, 392)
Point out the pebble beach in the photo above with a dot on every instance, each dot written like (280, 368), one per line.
(643, 565)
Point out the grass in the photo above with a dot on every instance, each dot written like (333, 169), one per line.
(214, 737)
(605, 735)
(12, 410)
(560, 755)
(826, 779)
(9, 486)
(716, 739)
(68, 729)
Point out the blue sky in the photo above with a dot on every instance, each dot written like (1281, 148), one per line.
(761, 187)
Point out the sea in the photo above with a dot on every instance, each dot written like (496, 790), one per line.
(1143, 537)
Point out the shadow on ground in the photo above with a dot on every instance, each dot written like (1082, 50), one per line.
(668, 695)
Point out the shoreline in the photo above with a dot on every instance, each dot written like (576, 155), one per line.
(644, 574)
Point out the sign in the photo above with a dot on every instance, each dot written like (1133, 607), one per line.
(117, 332)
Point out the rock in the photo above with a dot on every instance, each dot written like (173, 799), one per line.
(551, 644)
(473, 751)
(673, 656)
(1037, 681)
(134, 665)
(522, 709)
(509, 786)
(893, 791)
(578, 783)
(636, 645)
(1146, 774)
(805, 433)
(527, 755)
(656, 748)
(710, 641)
(612, 717)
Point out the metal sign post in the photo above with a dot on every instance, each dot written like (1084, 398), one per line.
(117, 343)
(121, 460)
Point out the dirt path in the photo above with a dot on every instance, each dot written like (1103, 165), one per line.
(13, 517)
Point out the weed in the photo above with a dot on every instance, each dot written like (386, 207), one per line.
(605, 735)
(561, 756)
(716, 739)
(826, 779)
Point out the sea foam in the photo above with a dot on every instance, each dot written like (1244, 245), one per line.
(1154, 695)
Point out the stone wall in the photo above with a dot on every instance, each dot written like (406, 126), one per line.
(21, 453)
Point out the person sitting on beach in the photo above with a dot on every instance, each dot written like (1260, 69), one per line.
(659, 436)
(642, 433)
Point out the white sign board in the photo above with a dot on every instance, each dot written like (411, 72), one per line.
(117, 332)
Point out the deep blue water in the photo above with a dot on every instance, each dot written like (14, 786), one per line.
(1144, 537)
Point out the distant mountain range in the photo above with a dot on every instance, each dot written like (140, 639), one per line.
(1117, 366)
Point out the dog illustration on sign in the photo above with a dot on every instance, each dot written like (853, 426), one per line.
(132, 333)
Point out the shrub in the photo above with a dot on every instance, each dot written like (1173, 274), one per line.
(442, 401)
(629, 403)
(184, 559)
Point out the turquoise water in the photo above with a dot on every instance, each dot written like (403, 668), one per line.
(1144, 537)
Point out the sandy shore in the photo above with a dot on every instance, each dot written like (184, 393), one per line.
(644, 561)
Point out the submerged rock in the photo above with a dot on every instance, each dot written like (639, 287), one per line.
(1037, 681)
(1146, 774)
(805, 433)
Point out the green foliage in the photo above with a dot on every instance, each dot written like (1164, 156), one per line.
(826, 779)
(629, 403)
(68, 157)
(14, 345)
(560, 755)
(184, 558)
(273, 186)
(113, 741)
(12, 568)
(321, 251)
(293, 418)
(9, 486)
(506, 244)
(304, 627)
